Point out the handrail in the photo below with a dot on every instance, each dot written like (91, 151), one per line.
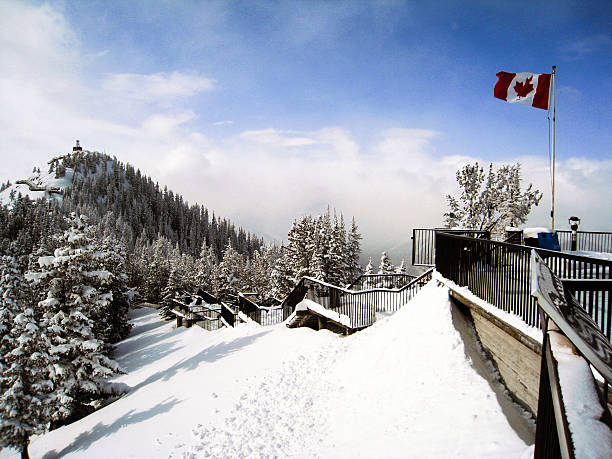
(375, 289)
(570, 317)
(400, 276)
(553, 436)
(499, 272)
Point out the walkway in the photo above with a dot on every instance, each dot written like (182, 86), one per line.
(403, 387)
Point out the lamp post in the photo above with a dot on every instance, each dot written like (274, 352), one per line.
(574, 222)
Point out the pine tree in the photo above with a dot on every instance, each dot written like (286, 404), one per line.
(386, 267)
(369, 269)
(110, 316)
(173, 286)
(282, 278)
(79, 367)
(205, 268)
(260, 269)
(72, 289)
(158, 269)
(338, 266)
(231, 271)
(353, 251)
(24, 364)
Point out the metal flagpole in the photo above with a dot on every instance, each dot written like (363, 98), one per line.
(552, 212)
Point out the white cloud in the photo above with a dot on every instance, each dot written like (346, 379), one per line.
(586, 46)
(262, 179)
(157, 86)
(278, 138)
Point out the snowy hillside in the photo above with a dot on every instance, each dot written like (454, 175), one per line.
(402, 388)
(41, 179)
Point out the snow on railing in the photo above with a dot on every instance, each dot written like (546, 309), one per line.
(499, 273)
(573, 418)
(361, 306)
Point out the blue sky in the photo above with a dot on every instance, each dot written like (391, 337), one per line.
(267, 110)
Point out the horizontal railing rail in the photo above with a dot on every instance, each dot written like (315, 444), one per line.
(556, 303)
(500, 274)
(368, 281)
(424, 243)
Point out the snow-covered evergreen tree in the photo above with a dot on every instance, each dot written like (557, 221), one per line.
(320, 256)
(158, 269)
(301, 245)
(353, 251)
(206, 268)
(318, 247)
(73, 287)
(24, 364)
(111, 322)
(174, 285)
(338, 256)
(386, 267)
(230, 274)
(79, 367)
(369, 269)
(259, 272)
(282, 280)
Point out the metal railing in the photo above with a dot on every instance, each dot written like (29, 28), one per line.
(263, 315)
(424, 243)
(593, 241)
(360, 306)
(553, 436)
(500, 274)
(368, 281)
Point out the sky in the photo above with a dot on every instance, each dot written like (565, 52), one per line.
(264, 111)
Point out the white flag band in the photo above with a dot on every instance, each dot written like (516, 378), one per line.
(524, 88)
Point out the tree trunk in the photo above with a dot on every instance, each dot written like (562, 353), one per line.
(24, 450)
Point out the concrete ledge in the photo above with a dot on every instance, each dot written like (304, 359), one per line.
(528, 341)
(516, 355)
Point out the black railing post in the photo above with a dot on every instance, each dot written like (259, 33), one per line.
(547, 436)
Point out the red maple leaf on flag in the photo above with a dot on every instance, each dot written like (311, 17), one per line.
(523, 89)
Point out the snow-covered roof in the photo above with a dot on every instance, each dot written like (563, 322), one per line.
(309, 305)
(533, 232)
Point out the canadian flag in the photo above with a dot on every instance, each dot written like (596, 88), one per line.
(524, 88)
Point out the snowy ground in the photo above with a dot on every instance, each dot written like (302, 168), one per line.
(404, 387)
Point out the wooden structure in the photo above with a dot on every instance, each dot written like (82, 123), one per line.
(359, 306)
(312, 318)
(192, 310)
(36, 187)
